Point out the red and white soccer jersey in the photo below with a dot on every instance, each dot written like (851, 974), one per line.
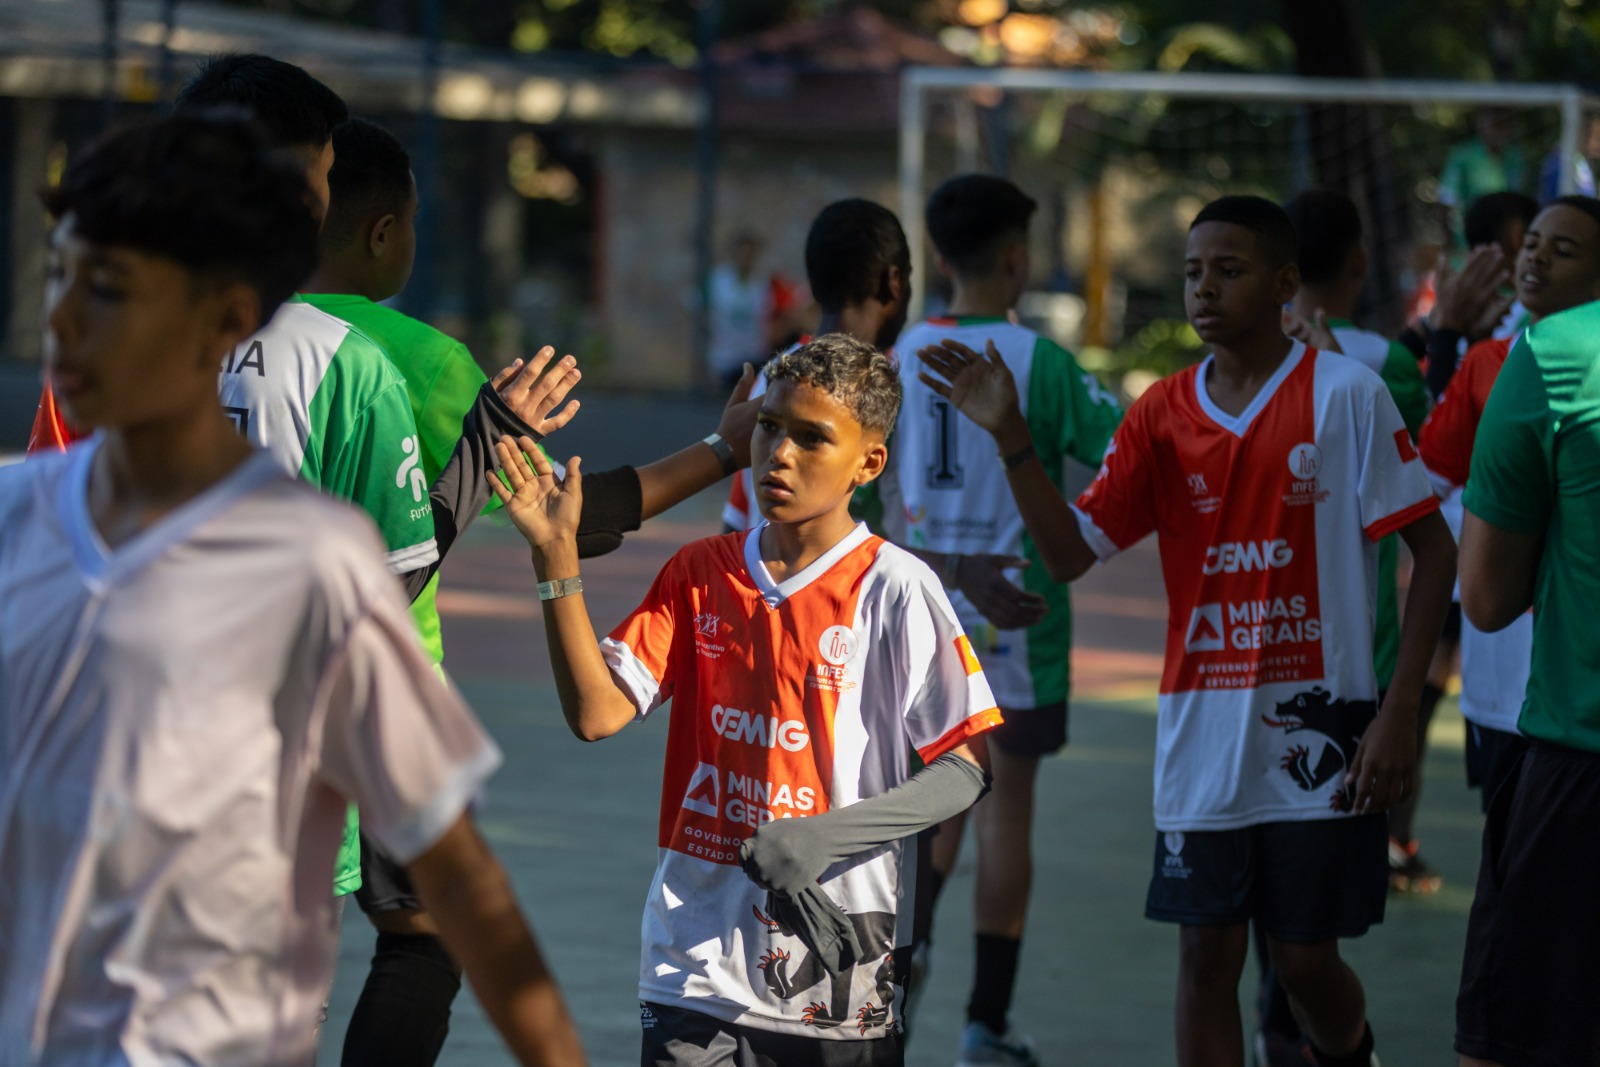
(789, 699)
(1268, 524)
(1494, 667)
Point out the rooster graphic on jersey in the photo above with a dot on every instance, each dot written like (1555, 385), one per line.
(874, 929)
(1339, 722)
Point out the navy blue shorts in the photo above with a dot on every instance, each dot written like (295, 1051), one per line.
(1302, 882)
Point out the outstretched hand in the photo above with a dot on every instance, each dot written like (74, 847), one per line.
(1313, 332)
(532, 394)
(739, 417)
(544, 508)
(979, 386)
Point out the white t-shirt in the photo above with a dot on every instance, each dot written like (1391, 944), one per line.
(738, 314)
(183, 720)
(1268, 524)
(788, 700)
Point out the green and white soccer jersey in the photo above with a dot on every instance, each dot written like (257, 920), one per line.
(442, 382)
(1394, 363)
(952, 495)
(327, 403)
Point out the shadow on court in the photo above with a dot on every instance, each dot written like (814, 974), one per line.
(576, 825)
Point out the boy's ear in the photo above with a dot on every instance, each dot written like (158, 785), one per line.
(235, 316)
(1288, 282)
(1358, 261)
(873, 462)
(890, 286)
(378, 236)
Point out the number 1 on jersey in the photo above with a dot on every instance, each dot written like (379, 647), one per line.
(944, 472)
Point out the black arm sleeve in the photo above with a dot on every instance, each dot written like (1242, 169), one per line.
(613, 502)
(1444, 350)
(1416, 342)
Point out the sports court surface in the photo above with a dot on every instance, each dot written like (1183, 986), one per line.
(576, 827)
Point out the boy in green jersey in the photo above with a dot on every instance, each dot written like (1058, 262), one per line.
(956, 501)
(1531, 539)
(367, 250)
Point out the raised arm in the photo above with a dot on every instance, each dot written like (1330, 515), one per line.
(546, 510)
(675, 478)
(520, 400)
(981, 388)
(466, 890)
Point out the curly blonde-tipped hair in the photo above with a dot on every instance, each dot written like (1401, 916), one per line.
(851, 371)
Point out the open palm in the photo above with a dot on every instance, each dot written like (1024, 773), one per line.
(544, 508)
(979, 386)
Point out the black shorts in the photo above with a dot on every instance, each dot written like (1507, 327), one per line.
(1032, 731)
(1301, 881)
(1532, 964)
(1492, 756)
(385, 886)
(674, 1037)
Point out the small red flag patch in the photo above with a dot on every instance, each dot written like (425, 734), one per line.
(1402, 442)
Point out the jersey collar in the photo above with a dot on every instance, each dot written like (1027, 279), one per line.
(1239, 424)
(106, 566)
(775, 593)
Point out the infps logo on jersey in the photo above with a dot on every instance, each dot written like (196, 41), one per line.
(410, 468)
(837, 645)
(1305, 460)
(704, 791)
(1205, 629)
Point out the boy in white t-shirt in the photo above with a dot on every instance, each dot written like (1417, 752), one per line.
(807, 660)
(202, 662)
(1268, 472)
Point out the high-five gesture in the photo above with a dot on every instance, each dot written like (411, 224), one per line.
(979, 386)
(544, 508)
(532, 394)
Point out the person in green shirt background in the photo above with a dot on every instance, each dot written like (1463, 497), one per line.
(1488, 162)
(1531, 538)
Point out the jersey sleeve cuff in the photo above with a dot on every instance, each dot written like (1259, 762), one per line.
(1402, 518)
(970, 727)
(413, 558)
(632, 675)
(1517, 520)
(1103, 547)
(420, 831)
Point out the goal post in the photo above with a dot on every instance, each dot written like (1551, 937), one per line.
(1113, 125)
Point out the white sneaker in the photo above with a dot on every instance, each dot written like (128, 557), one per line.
(982, 1047)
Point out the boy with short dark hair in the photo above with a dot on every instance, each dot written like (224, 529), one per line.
(1268, 472)
(212, 657)
(859, 268)
(1557, 269)
(958, 515)
(807, 660)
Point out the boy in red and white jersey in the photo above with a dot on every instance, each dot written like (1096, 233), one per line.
(807, 661)
(1557, 268)
(1269, 473)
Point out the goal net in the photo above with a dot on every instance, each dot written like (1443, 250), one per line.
(1120, 163)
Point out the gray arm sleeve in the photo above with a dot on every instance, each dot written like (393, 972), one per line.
(462, 488)
(788, 855)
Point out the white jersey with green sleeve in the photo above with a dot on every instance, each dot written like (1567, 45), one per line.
(326, 402)
(953, 495)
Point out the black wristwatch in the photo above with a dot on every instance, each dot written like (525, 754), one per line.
(724, 452)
